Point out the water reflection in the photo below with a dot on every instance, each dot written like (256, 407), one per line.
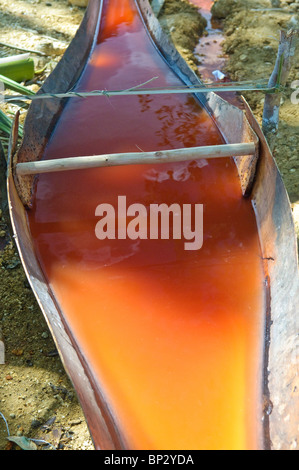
(180, 123)
(116, 18)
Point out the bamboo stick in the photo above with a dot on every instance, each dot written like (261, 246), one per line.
(96, 161)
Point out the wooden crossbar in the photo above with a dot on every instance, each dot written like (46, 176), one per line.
(137, 158)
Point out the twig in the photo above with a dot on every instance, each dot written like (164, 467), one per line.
(41, 442)
(2, 348)
(278, 79)
(146, 91)
(4, 419)
(11, 46)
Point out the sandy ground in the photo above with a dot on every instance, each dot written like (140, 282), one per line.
(36, 398)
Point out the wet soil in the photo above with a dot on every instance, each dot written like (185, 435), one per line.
(185, 26)
(251, 34)
(37, 399)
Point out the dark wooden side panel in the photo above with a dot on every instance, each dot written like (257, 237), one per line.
(43, 115)
(279, 248)
(274, 221)
(40, 122)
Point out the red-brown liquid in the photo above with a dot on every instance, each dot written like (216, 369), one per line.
(173, 336)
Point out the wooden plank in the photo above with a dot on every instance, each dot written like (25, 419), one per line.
(141, 158)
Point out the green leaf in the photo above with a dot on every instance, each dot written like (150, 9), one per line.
(23, 442)
(19, 70)
(12, 85)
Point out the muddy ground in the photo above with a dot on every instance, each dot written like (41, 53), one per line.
(251, 30)
(36, 398)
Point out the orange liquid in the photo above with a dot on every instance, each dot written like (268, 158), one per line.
(173, 336)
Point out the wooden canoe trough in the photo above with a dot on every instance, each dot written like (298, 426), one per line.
(148, 420)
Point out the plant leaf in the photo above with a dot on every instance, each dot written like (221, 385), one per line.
(15, 86)
(23, 442)
(6, 123)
